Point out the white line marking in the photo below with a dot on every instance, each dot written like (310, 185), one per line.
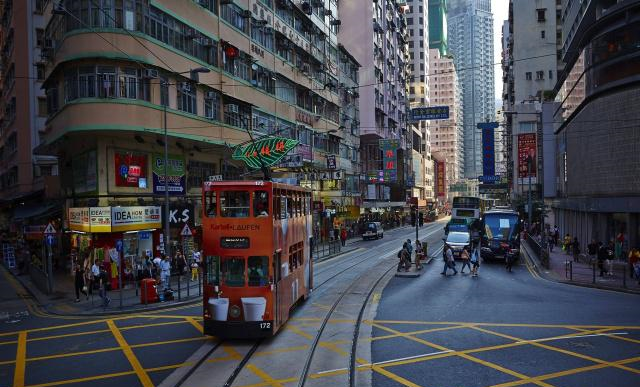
(573, 337)
(387, 361)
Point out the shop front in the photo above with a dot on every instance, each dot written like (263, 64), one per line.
(111, 235)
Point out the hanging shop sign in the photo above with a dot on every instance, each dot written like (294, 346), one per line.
(100, 219)
(389, 159)
(267, 152)
(488, 148)
(130, 169)
(527, 149)
(135, 218)
(331, 162)
(79, 219)
(176, 177)
(440, 179)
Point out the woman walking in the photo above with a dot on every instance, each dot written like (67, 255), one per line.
(79, 281)
(475, 262)
(465, 260)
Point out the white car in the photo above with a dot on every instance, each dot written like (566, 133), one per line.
(372, 230)
(458, 240)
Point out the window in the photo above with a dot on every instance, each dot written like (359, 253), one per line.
(541, 13)
(212, 270)
(234, 204)
(39, 37)
(211, 204)
(128, 83)
(106, 76)
(539, 75)
(212, 105)
(258, 272)
(260, 204)
(296, 254)
(232, 14)
(550, 74)
(527, 75)
(233, 271)
(40, 70)
(42, 107)
(542, 34)
(198, 172)
(187, 98)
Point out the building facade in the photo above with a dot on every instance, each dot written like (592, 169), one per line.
(25, 179)
(598, 181)
(418, 25)
(381, 49)
(201, 77)
(446, 134)
(438, 26)
(470, 42)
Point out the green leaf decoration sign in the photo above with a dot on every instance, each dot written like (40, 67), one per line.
(268, 151)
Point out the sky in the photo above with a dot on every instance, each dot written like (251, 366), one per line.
(500, 9)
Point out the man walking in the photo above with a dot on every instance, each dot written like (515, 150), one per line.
(592, 251)
(449, 262)
(103, 288)
(602, 257)
(165, 272)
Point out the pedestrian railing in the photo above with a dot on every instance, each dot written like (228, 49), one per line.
(326, 248)
(538, 250)
(615, 274)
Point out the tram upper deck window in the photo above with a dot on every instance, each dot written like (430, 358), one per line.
(212, 270)
(211, 204)
(258, 271)
(234, 204)
(260, 204)
(232, 269)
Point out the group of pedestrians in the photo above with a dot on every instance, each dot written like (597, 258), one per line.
(470, 261)
(86, 279)
(405, 254)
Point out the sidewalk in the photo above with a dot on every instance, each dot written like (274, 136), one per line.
(62, 300)
(563, 269)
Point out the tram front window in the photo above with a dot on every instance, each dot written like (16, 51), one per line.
(234, 204)
(233, 271)
(258, 271)
(211, 204)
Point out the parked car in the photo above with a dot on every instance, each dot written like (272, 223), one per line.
(458, 240)
(372, 230)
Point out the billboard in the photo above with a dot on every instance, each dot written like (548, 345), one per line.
(488, 148)
(527, 148)
(130, 169)
(430, 113)
(175, 174)
(389, 159)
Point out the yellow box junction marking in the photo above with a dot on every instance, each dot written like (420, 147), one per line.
(128, 352)
(21, 360)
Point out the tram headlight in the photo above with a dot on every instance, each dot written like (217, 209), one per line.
(234, 311)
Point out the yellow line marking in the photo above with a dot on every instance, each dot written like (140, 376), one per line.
(395, 377)
(376, 298)
(413, 333)
(69, 335)
(61, 355)
(128, 352)
(500, 324)
(21, 360)
(331, 346)
(87, 379)
(281, 350)
(264, 376)
(232, 352)
(169, 367)
(8, 342)
(196, 324)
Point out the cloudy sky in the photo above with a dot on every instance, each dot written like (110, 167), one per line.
(500, 10)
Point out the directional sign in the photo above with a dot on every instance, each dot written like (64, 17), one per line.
(50, 239)
(50, 230)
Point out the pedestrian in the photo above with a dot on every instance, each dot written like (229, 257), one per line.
(566, 245)
(95, 274)
(602, 257)
(449, 262)
(634, 256)
(619, 244)
(103, 283)
(419, 254)
(403, 256)
(409, 249)
(610, 257)
(575, 249)
(465, 260)
(475, 262)
(194, 270)
(181, 261)
(556, 235)
(343, 236)
(165, 272)
(509, 258)
(592, 251)
(79, 281)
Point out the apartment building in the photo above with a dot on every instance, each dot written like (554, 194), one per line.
(26, 180)
(438, 26)
(380, 47)
(447, 134)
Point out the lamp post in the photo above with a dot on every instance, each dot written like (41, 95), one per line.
(194, 77)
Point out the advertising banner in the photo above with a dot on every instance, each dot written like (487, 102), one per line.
(79, 219)
(100, 219)
(135, 218)
(175, 174)
(440, 179)
(389, 159)
(527, 149)
(130, 169)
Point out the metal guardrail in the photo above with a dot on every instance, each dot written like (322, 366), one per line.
(614, 273)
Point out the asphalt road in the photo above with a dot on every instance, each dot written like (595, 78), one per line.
(504, 329)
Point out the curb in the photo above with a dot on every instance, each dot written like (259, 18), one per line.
(45, 308)
(536, 266)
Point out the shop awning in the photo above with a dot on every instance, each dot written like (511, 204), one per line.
(27, 211)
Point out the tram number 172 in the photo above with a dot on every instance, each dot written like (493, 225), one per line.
(265, 325)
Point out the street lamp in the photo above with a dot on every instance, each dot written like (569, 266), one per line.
(194, 77)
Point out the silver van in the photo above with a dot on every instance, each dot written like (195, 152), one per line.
(372, 230)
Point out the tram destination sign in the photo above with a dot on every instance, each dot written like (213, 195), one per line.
(234, 243)
(267, 151)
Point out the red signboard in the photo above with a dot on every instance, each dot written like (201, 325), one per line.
(440, 179)
(527, 149)
(130, 168)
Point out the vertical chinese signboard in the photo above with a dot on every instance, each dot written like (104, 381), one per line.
(389, 159)
(130, 169)
(527, 149)
(440, 179)
(175, 174)
(488, 148)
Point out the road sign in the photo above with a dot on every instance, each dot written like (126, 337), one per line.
(50, 239)
(430, 113)
(50, 230)
(186, 231)
(493, 188)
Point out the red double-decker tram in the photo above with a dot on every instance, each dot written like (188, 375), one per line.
(257, 256)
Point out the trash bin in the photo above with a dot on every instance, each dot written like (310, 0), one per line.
(148, 291)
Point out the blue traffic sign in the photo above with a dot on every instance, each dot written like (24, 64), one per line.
(430, 113)
(489, 179)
